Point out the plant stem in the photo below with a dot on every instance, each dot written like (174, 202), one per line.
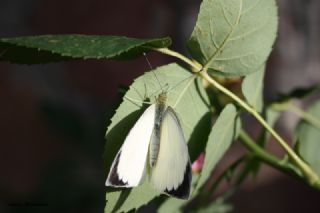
(305, 169)
(264, 156)
(312, 177)
(193, 64)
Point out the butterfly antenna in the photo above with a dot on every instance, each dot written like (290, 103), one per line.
(145, 55)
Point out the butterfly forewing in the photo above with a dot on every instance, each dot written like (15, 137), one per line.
(128, 167)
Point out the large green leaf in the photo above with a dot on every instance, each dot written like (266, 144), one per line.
(172, 206)
(308, 138)
(252, 88)
(53, 48)
(218, 206)
(188, 99)
(223, 132)
(234, 37)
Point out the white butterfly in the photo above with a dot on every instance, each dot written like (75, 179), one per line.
(157, 134)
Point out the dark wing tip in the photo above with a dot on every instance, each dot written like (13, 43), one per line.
(183, 191)
(113, 177)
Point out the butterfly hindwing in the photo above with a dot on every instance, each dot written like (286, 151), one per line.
(172, 172)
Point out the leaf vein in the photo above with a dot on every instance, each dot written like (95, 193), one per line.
(211, 35)
(250, 32)
(225, 41)
(252, 7)
(234, 57)
(225, 16)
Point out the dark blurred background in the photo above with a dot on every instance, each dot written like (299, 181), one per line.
(53, 117)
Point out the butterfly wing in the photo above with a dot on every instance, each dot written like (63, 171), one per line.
(172, 172)
(128, 167)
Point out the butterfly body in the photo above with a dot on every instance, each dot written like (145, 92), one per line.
(155, 140)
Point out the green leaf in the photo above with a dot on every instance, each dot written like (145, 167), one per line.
(223, 132)
(271, 116)
(252, 88)
(308, 139)
(188, 99)
(127, 199)
(218, 206)
(234, 37)
(172, 206)
(53, 48)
